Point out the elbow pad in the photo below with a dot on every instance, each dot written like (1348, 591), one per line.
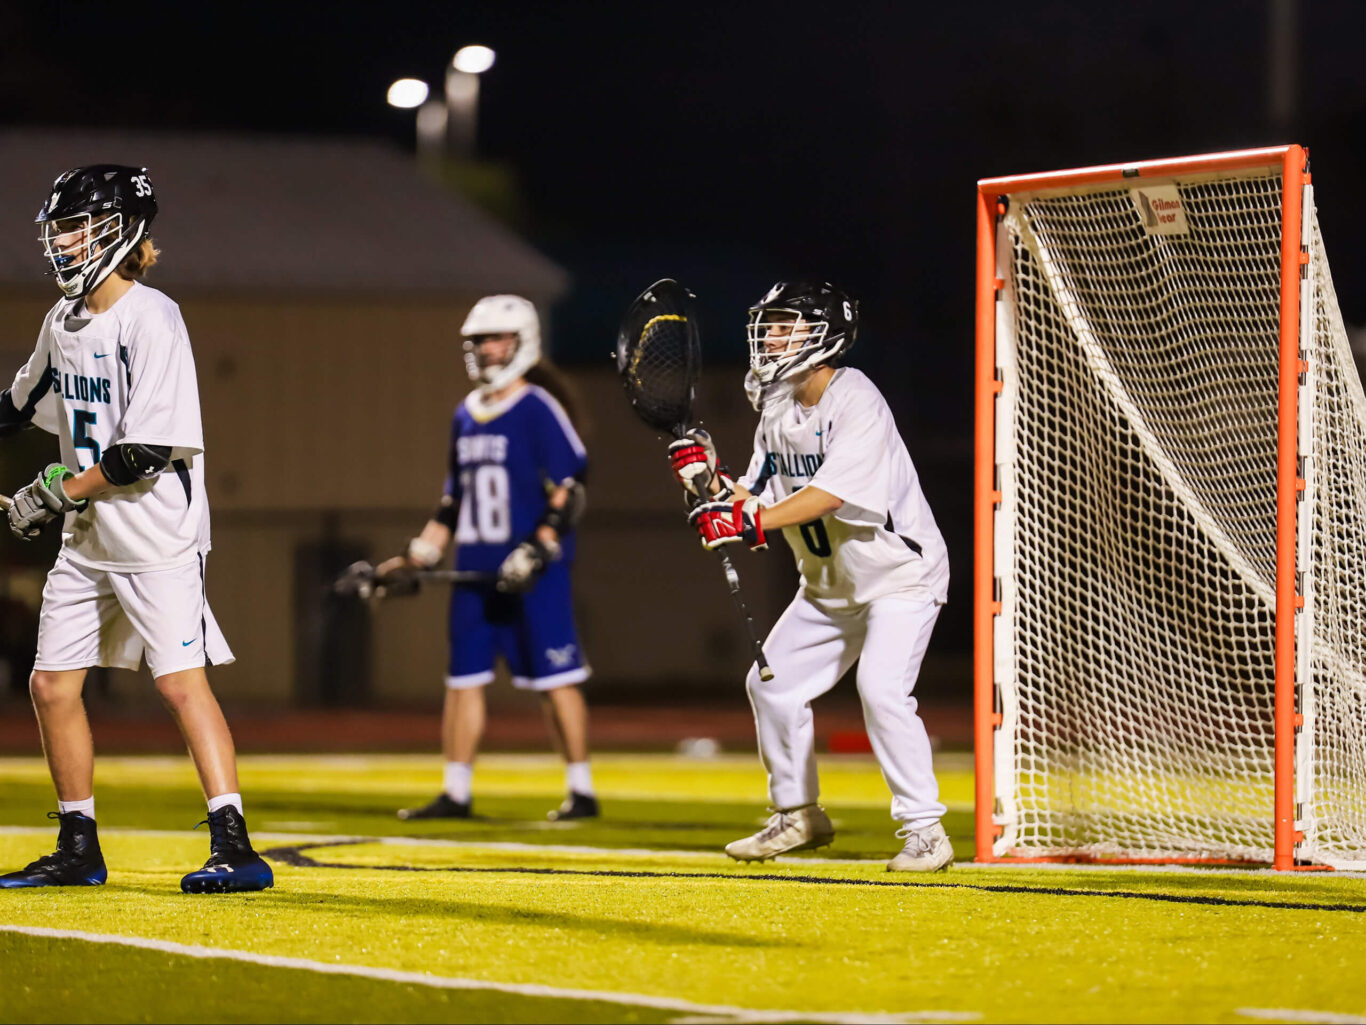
(128, 464)
(567, 516)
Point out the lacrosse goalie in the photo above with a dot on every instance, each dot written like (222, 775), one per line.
(831, 472)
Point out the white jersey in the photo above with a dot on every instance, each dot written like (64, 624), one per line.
(123, 376)
(883, 540)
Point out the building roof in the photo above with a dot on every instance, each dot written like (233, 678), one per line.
(267, 212)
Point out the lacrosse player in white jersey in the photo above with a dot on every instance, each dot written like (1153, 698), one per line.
(113, 377)
(831, 472)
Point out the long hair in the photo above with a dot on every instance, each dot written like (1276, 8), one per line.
(137, 263)
(545, 374)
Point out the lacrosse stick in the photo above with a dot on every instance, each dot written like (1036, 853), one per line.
(5, 503)
(361, 580)
(659, 357)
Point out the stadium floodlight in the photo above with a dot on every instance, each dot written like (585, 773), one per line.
(407, 93)
(473, 60)
(462, 97)
(1170, 520)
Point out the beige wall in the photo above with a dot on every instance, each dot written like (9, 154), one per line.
(328, 416)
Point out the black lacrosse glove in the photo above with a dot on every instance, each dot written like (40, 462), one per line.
(400, 583)
(38, 504)
(525, 564)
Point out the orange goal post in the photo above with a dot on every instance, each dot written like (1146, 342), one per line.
(1169, 520)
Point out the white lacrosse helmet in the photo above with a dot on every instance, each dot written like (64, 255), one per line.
(498, 315)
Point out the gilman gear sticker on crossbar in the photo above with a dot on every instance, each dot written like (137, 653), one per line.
(1160, 208)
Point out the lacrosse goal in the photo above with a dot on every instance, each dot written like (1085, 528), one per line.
(1170, 520)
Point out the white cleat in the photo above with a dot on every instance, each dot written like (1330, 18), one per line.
(790, 829)
(927, 850)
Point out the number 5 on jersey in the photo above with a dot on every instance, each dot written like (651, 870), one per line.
(82, 420)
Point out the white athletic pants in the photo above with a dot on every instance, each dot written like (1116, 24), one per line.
(809, 650)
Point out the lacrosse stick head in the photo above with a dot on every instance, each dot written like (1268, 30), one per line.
(659, 356)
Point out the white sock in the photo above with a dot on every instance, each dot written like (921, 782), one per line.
(86, 807)
(579, 778)
(456, 781)
(223, 800)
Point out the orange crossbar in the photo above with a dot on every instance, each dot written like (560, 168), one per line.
(1294, 163)
(1207, 162)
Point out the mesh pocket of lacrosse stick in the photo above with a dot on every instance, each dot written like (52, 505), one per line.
(659, 356)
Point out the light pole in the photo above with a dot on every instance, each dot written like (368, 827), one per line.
(462, 98)
(407, 93)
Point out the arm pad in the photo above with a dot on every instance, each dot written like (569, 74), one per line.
(128, 464)
(12, 418)
(567, 516)
(447, 513)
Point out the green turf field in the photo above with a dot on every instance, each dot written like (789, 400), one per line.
(637, 917)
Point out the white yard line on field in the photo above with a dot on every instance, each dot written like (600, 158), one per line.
(695, 1012)
(1290, 1014)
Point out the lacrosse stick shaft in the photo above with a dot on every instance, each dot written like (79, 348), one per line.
(733, 582)
(455, 576)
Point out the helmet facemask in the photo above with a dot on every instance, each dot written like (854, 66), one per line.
(806, 345)
(490, 376)
(83, 249)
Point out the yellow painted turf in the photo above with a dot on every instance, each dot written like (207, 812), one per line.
(1010, 945)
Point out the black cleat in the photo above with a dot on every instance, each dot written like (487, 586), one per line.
(233, 867)
(576, 806)
(77, 861)
(444, 807)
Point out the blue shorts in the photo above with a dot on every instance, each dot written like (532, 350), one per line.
(534, 632)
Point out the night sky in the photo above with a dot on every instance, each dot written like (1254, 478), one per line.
(729, 144)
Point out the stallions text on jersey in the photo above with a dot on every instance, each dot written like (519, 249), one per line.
(124, 376)
(506, 458)
(883, 540)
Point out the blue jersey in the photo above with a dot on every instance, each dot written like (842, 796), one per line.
(506, 459)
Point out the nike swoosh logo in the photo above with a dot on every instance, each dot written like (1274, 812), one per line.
(101, 355)
(186, 644)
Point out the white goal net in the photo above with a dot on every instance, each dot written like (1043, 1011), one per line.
(1135, 544)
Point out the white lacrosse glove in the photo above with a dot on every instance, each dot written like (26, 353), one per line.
(38, 504)
(524, 565)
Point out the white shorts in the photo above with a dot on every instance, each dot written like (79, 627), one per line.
(536, 683)
(94, 618)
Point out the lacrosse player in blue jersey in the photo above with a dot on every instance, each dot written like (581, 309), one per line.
(513, 495)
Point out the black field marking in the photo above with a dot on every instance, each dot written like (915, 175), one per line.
(294, 855)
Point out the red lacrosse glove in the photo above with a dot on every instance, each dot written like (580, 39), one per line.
(723, 523)
(693, 458)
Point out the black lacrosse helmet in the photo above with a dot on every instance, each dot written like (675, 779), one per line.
(99, 214)
(829, 316)
(659, 355)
